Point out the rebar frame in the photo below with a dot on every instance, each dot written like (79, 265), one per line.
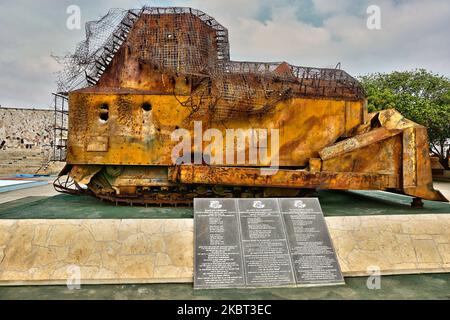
(60, 127)
(188, 42)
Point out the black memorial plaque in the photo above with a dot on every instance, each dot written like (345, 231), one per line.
(218, 256)
(266, 254)
(313, 256)
(262, 243)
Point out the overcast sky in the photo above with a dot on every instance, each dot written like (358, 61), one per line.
(320, 33)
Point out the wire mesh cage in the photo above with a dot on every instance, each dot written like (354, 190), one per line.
(187, 42)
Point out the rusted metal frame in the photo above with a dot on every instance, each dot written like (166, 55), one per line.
(54, 128)
(105, 60)
(239, 176)
(409, 158)
(133, 14)
(144, 201)
(316, 74)
(129, 26)
(120, 33)
(91, 80)
(61, 132)
(100, 65)
(418, 160)
(359, 141)
(119, 37)
(68, 186)
(59, 129)
(111, 52)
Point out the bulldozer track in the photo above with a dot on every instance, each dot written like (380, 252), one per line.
(164, 196)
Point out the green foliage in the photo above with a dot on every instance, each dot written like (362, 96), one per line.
(419, 95)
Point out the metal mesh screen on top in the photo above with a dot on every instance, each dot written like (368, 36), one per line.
(185, 41)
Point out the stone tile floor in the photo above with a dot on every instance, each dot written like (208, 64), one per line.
(425, 286)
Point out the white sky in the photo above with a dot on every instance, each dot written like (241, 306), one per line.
(321, 33)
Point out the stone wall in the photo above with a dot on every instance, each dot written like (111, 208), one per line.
(26, 139)
(26, 128)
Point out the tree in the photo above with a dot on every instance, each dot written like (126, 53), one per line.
(422, 96)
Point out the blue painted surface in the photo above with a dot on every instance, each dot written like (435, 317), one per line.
(26, 175)
(22, 186)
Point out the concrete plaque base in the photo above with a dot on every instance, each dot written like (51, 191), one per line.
(159, 251)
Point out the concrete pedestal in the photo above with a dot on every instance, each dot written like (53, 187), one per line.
(161, 250)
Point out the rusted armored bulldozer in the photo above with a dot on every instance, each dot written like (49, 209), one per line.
(168, 69)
